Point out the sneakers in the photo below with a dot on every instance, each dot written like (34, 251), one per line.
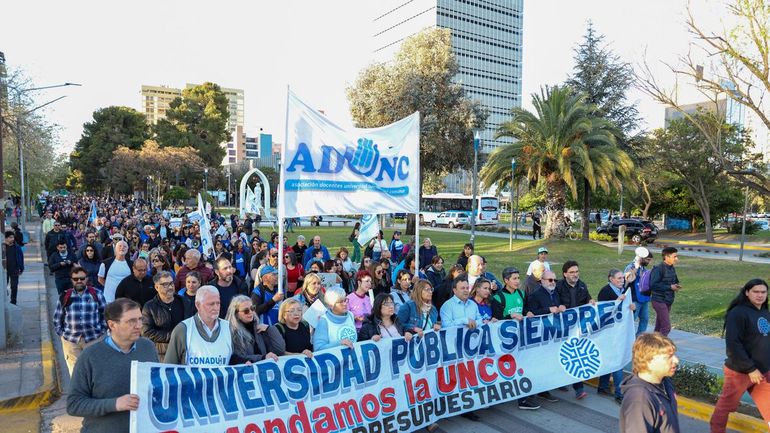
(581, 395)
(527, 404)
(619, 399)
(547, 396)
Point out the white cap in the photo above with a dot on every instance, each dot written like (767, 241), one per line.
(642, 252)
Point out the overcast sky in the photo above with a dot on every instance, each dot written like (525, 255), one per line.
(317, 47)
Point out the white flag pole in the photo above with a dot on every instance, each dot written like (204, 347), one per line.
(281, 204)
(417, 243)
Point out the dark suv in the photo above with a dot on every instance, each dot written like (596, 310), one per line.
(638, 231)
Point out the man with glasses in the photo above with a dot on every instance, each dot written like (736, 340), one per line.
(137, 286)
(79, 317)
(99, 390)
(545, 301)
(161, 314)
(203, 340)
(227, 283)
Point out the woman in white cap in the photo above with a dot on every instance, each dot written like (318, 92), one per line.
(633, 274)
(542, 255)
(337, 326)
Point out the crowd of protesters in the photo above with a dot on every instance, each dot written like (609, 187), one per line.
(137, 287)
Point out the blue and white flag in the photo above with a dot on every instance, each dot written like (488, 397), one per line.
(326, 170)
(92, 217)
(206, 245)
(370, 227)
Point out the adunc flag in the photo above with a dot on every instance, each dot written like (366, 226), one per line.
(370, 227)
(92, 216)
(326, 170)
(206, 244)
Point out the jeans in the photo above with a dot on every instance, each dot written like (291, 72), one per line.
(617, 378)
(663, 317)
(642, 312)
(578, 387)
(735, 385)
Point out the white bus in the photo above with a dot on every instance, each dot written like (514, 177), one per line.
(433, 205)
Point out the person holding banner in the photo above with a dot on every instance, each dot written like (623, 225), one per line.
(337, 326)
(293, 329)
(252, 341)
(544, 301)
(613, 291)
(204, 339)
(418, 314)
(96, 392)
(383, 321)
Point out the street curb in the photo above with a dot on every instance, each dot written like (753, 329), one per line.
(48, 391)
(702, 411)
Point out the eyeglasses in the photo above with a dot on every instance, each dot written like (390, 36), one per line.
(343, 301)
(388, 304)
(167, 284)
(428, 289)
(550, 280)
(248, 310)
(285, 257)
(79, 278)
(273, 255)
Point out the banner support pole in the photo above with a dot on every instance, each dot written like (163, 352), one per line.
(281, 205)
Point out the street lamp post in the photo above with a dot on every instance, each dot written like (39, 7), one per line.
(510, 205)
(743, 223)
(476, 144)
(19, 139)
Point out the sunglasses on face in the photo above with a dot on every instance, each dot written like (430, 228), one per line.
(550, 280)
(78, 278)
(248, 310)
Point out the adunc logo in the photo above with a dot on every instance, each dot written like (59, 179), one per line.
(364, 160)
(580, 358)
(764, 326)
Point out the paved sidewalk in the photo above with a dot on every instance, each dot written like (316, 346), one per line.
(27, 370)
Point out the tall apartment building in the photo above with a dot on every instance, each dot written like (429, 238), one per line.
(486, 40)
(156, 100)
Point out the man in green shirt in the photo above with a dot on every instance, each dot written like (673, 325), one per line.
(508, 303)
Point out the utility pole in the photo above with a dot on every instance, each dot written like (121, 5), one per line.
(3, 294)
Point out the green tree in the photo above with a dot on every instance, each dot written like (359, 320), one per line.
(605, 80)
(421, 78)
(111, 127)
(682, 149)
(559, 144)
(197, 119)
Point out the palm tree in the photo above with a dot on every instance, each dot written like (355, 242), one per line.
(560, 144)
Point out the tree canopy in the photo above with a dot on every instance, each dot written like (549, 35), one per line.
(197, 119)
(110, 128)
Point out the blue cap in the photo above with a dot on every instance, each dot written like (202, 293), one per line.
(267, 269)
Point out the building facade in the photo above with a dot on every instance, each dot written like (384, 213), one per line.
(487, 44)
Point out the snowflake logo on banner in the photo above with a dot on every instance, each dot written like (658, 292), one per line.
(364, 155)
(347, 332)
(764, 326)
(580, 358)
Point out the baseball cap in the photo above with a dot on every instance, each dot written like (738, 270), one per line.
(542, 250)
(267, 269)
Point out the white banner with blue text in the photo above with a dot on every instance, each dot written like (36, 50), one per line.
(326, 170)
(387, 386)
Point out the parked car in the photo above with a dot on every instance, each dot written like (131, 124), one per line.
(451, 219)
(638, 231)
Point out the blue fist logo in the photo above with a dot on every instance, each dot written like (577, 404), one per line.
(364, 155)
(580, 358)
(764, 326)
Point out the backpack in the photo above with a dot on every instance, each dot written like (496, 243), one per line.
(65, 297)
(644, 283)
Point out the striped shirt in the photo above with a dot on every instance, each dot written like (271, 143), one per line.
(83, 317)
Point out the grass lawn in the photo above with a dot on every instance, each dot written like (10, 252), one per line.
(709, 284)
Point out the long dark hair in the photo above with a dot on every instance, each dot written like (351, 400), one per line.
(377, 307)
(742, 299)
